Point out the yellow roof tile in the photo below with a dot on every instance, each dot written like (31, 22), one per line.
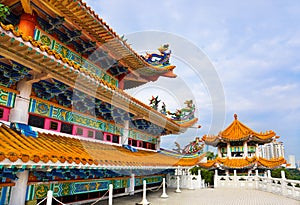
(237, 131)
(239, 163)
(54, 148)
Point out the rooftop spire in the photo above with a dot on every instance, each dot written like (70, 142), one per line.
(235, 116)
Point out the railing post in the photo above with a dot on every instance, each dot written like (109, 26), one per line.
(269, 181)
(164, 194)
(191, 182)
(49, 197)
(235, 179)
(216, 179)
(256, 179)
(283, 184)
(144, 200)
(110, 194)
(178, 184)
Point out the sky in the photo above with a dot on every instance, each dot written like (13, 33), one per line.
(253, 48)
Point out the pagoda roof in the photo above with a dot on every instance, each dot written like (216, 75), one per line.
(237, 131)
(79, 14)
(56, 151)
(28, 52)
(242, 163)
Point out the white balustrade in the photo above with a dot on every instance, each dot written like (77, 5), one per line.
(282, 186)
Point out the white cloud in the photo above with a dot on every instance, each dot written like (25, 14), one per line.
(255, 47)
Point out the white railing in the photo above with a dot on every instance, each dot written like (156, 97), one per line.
(282, 186)
(285, 187)
(187, 181)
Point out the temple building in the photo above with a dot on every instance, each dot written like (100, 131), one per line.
(238, 150)
(67, 125)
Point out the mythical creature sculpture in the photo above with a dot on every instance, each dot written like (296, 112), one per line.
(184, 113)
(192, 148)
(161, 59)
(154, 102)
(163, 108)
(178, 148)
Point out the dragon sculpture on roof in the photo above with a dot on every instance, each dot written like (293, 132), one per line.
(193, 147)
(159, 60)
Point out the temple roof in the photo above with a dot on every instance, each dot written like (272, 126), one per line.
(77, 15)
(55, 150)
(242, 163)
(237, 131)
(26, 51)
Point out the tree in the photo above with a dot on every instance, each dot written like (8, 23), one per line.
(210, 155)
(276, 173)
(207, 175)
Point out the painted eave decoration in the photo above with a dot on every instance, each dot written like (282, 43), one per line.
(83, 16)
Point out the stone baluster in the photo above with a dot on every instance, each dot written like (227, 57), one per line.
(216, 179)
(269, 181)
(235, 179)
(283, 183)
(256, 179)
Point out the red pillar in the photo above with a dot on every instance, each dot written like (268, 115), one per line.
(27, 24)
(121, 81)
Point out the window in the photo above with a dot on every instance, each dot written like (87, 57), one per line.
(145, 144)
(108, 138)
(129, 141)
(53, 125)
(1, 113)
(66, 128)
(151, 146)
(115, 139)
(134, 143)
(90, 134)
(79, 131)
(36, 121)
(99, 135)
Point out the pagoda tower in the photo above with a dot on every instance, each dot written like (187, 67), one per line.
(238, 149)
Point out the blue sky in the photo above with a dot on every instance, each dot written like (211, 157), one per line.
(253, 45)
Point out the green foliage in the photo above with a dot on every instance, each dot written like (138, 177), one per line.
(4, 11)
(194, 170)
(210, 155)
(207, 175)
(289, 173)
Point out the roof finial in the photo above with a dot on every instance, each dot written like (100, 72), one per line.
(235, 116)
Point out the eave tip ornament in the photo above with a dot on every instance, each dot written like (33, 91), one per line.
(161, 60)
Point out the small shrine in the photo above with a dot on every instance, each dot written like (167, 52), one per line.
(238, 149)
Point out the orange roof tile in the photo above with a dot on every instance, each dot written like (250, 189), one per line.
(54, 149)
(271, 163)
(174, 126)
(237, 131)
(240, 163)
(100, 31)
